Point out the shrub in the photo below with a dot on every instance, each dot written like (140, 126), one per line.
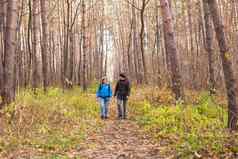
(52, 122)
(187, 129)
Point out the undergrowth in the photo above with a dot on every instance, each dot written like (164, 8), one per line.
(188, 130)
(51, 123)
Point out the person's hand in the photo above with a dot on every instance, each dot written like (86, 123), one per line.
(98, 99)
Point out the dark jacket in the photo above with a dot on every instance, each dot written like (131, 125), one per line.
(123, 89)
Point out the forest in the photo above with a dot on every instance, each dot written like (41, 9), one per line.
(179, 58)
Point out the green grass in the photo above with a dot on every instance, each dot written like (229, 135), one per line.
(50, 123)
(188, 129)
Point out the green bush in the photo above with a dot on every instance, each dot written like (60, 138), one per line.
(188, 129)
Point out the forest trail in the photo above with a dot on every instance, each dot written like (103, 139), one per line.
(119, 139)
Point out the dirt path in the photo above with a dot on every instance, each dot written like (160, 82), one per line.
(120, 139)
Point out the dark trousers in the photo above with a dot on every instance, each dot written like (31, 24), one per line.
(121, 106)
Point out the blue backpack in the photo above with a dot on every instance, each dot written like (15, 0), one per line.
(109, 86)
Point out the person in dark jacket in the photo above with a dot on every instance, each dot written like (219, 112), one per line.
(122, 92)
(104, 93)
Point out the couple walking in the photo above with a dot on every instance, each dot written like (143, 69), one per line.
(122, 92)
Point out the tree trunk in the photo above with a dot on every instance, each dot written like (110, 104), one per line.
(2, 21)
(208, 45)
(158, 45)
(226, 58)
(142, 35)
(84, 46)
(29, 57)
(35, 74)
(44, 48)
(191, 42)
(8, 93)
(171, 49)
(66, 45)
(101, 50)
(135, 44)
(80, 58)
(129, 46)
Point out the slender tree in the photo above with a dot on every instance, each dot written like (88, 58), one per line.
(8, 93)
(84, 45)
(2, 21)
(226, 58)
(158, 43)
(44, 47)
(171, 49)
(208, 45)
(142, 35)
(29, 41)
(35, 73)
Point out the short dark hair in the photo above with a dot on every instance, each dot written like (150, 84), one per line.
(122, 75)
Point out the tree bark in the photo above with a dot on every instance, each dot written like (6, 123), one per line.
(29, 57)
(208, 45)
(35, 73)
(135, 44)
(171, 49)
(66, 44)
(226, 58)
(44, 48)
(158, 49)
(2, 21)
(8, 93)
(191, 42)
(84, 46)
(142, 35)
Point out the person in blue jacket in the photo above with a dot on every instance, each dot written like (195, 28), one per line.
(104, 94)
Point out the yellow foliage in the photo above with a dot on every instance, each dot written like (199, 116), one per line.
(228, 56)
(52, 122)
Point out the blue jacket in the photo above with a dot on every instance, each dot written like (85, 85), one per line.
(104, 91)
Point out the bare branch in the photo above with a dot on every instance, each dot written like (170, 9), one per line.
(133, 5)
(76, 15)
(146, 3)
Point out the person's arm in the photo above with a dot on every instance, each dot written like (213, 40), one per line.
(97, 94)
(110, 91)
(128, 89)
(116, 89)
